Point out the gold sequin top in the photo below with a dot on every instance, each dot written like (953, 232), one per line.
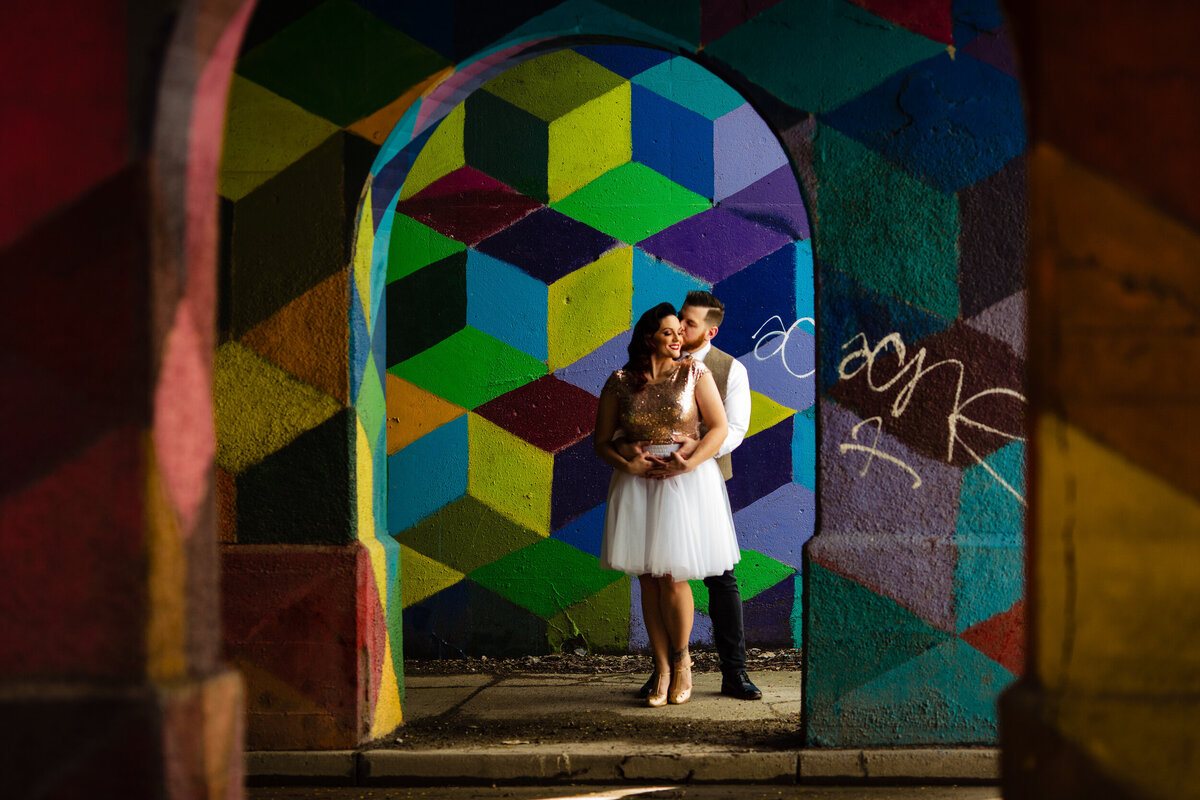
(661, 409)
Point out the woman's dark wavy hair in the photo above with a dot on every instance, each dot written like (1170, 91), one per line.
(639, 343)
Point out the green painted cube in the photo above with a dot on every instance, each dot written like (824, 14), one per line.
(465, 535)
(470, 368)
(599, 622)
(632, 203)
(546, 578)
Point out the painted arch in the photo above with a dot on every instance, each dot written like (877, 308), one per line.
(906, 133)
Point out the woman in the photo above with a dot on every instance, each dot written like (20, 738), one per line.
(666, 530)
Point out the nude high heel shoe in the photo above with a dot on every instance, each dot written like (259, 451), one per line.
(658, 694)
(681, 668)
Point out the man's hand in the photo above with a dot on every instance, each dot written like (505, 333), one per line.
(687, 445)
(627, 450)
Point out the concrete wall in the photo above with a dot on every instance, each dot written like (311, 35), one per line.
(299, 400)
(905, 132)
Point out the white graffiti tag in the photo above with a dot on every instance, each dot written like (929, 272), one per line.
(874, 450)
(914, 370)
(781, 334)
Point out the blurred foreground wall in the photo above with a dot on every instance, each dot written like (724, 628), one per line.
(112, 682)
(1110, 703)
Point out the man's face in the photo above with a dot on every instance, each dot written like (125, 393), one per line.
(695, 330)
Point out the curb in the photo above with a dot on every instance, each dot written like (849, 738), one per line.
(391, 767)
(977, 765)
(335, 767)
(616, 762)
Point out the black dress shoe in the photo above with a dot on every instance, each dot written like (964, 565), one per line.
(644, 692)
(738, 685)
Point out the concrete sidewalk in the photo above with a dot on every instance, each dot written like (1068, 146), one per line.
(483, 699)
(545, 710)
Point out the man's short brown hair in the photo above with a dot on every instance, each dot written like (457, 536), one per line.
(702, 299)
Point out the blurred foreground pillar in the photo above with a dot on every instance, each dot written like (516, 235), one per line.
(111, 683)
(1112, 693)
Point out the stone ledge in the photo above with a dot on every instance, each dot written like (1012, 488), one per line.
(911, 764)
(624, 761)
(974, 764)
(599, 764)
(296, 765)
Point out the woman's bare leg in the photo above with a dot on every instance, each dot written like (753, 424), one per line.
(678, 609)
(656, 631)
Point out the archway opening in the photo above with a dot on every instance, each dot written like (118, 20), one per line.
(529, 226)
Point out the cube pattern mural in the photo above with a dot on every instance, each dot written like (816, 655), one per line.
(905, 129)
(570, 202)
(923, 444)
(298, 388)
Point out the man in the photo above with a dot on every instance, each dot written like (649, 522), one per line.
(701, 316)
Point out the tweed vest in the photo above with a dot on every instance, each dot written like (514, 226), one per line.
(718, 363)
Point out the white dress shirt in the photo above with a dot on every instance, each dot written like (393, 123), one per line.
(736, 399)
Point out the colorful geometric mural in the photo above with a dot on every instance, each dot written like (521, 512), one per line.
(299, 399)
(904, 127)
(915, 614)
(1109, 707)
(538, 219)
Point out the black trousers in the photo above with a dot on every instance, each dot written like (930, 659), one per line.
(725, 610)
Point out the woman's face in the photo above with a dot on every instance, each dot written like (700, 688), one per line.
(668, 339)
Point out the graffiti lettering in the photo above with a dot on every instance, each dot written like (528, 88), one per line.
(863, 357)
(874, 451)
(780, 334)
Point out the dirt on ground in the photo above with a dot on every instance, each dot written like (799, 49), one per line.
(580, 662)
(448, 730)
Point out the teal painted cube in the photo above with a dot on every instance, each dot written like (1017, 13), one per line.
(505, 302)
(443, 452)
(655, 281)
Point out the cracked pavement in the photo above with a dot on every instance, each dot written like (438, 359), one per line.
(523, 711)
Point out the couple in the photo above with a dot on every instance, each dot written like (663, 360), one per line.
(666, 423)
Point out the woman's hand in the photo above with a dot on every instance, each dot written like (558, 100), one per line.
(676, 464)
(640, 464)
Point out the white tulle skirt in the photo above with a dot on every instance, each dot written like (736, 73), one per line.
(680, 526)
